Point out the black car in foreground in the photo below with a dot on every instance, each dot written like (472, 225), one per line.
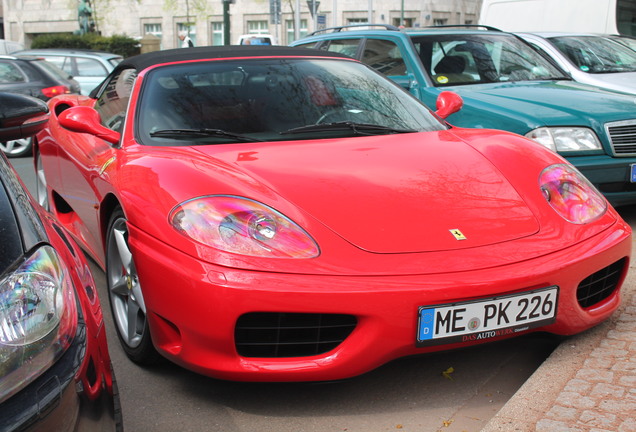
(31, 76)
(55, 369)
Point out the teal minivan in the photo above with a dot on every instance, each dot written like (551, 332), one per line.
(505, 84)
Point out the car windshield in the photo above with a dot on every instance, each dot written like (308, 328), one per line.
(628, 41)
(595, 54)
(272, 100)
(470, 58)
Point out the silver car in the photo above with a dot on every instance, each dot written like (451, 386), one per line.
(588, 58)
(89, 68)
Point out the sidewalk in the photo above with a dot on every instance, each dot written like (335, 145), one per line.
(588, 384)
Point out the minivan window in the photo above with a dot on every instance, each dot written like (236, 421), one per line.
(343, 46)
(384, 56)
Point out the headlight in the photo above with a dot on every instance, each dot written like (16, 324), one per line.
(571, 194)
(566, 139)
(242, 226)
(38, 319)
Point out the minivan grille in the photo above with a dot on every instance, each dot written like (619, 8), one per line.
(267, 334)
(622, 136)
(600, 285)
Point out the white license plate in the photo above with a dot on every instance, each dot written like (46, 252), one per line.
(487, 318)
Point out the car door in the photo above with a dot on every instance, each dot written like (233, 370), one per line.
(87, 157)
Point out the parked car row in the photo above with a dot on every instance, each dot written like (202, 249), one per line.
(507, 85)
(324, 219)
(88, 68)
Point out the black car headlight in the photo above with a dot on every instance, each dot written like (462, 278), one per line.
(38, 319)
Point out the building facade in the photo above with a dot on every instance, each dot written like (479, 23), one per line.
(204, 21)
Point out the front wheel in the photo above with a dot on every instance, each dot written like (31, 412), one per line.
(17, 148)
(125, 294)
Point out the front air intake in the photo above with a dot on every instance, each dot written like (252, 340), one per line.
(600, 285)
(271, 334)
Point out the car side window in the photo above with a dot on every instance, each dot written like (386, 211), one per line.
(59, 62)
(384, 56)
(10, 73)
(90, 67)
(343, 46)
(113, 101)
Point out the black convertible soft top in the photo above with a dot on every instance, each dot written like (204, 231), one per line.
(142, 61)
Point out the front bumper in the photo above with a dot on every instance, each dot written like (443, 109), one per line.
(193, 306)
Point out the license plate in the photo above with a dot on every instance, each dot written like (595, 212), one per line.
(487, 318)
(632, 172)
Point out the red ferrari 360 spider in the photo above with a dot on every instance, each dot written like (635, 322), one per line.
(280, 214)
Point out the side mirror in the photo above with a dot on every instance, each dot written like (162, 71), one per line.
(448, 103)
(85, 119)
(21, 116)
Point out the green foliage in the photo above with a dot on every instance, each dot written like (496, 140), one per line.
(122, 45)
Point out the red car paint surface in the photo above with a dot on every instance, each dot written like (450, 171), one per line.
(401, 221)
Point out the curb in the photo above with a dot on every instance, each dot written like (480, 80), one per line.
(587, 384)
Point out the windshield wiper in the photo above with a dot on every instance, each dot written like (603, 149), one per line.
(358, 128)
(200, 133)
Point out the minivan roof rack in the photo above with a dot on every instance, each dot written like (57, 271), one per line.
(340, 28)
(486, 27)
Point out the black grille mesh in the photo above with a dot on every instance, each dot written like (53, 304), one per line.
(267, 334)
(600, 285)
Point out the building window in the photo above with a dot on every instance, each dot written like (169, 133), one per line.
(408, 22)
(357, 20)
(191, 30)
(289, 26)
(440, 21)
(155, 30)
(217, 33)
(257, 27)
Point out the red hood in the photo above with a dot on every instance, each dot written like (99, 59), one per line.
(391, 193)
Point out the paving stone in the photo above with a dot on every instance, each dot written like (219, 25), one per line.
(628, 425)
(603, 390)
(575, 400)
(578, 386)
(599, 420)
(562, 413)
(595, 375)
(622, 406)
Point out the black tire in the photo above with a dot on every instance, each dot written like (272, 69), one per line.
(125, 295)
